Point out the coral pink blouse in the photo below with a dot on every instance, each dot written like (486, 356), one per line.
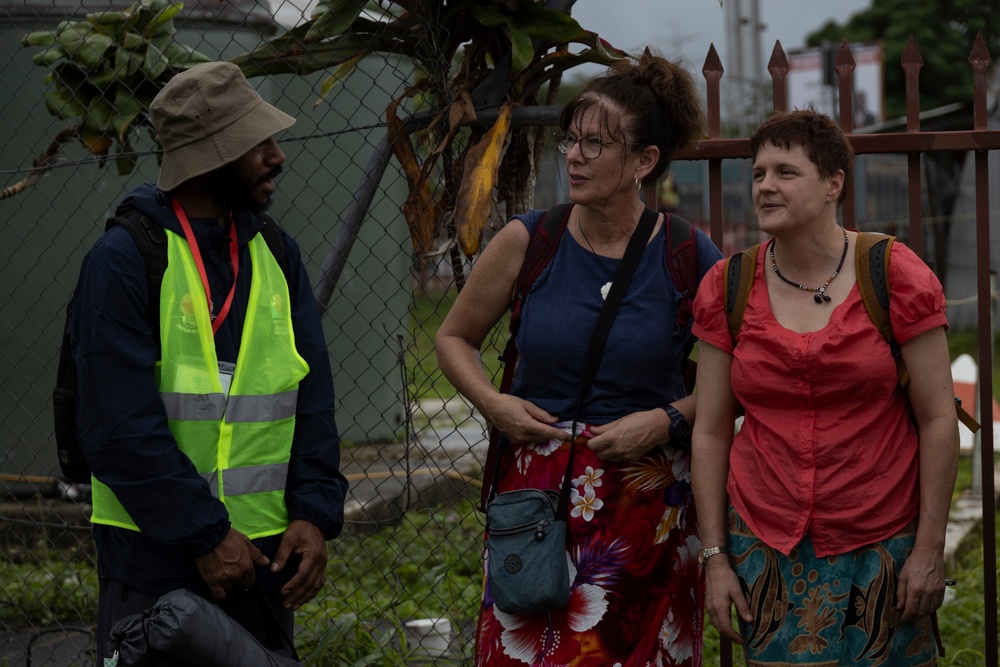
(827, 447)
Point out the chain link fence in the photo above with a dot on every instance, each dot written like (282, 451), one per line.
(404, 579)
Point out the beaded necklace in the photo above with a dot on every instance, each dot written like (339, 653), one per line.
(820, 295)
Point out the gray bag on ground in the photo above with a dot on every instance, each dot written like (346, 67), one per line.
(185, 629)
(529, 571)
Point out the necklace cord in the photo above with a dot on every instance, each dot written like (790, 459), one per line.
(820, 295)
(580, 227)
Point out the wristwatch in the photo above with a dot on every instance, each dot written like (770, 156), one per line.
(680, 429)
(705, 554)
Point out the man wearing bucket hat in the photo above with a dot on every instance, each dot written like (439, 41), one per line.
(209, 425)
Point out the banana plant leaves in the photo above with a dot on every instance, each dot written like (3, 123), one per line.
(475, 195)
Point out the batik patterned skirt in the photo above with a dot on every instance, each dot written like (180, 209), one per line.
(830, 611)
(637, 592)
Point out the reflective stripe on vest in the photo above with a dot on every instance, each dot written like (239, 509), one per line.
(240, 443)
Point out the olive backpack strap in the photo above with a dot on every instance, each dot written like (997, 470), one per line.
(740, 270)
(872, 266)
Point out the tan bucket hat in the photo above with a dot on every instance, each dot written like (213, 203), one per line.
(207, 117)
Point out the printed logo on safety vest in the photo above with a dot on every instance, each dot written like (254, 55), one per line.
(278, 320)
(512, 563)
(188, 322)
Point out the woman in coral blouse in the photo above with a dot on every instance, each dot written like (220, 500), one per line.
(823, 519)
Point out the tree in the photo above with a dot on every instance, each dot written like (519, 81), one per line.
(472, 56)
(944, 31)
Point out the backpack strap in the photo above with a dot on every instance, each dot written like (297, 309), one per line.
(872, 266)
(740, 270)
(541, 248)
(682, 263)
(151, 240)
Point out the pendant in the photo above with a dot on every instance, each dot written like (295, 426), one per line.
(604, 290)
(820, 296)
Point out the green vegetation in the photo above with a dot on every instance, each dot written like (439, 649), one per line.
(45, 589)
(961, 620)
(427, 310)
(425, 566)
(944, 31)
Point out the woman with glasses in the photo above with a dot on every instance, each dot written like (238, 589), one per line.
(636, 596)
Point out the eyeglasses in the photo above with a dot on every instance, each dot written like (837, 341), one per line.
(590, 147)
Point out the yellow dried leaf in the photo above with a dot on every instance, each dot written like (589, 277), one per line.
(422, 214)
(475, 195)
(402, 148)
(420, 209)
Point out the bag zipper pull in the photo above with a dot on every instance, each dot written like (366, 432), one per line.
(539, 534)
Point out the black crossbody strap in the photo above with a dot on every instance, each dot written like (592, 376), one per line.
(599, 337)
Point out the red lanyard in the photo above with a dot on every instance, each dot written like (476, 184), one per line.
(234, 255)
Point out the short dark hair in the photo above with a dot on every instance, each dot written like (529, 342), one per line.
(659, 101)
(819, 136)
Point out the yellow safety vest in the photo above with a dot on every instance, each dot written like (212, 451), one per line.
(240, 443)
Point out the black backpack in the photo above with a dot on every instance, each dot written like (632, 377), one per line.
(151, 240)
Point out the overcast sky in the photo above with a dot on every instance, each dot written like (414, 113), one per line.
(687, 27)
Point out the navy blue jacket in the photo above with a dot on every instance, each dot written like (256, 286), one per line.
(123, 424)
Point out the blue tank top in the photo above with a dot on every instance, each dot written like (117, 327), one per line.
(640, 369)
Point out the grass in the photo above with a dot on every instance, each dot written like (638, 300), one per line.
(427, 310)
(428, 565)
(962, 620)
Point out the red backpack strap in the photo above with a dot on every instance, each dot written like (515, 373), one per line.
(682, 261)
(541, 248)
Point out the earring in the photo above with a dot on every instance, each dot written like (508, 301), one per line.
(638, 185)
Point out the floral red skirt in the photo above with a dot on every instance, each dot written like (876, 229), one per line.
(637, 592)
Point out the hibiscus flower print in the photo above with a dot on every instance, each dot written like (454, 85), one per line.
(667, 523)
(585, 505)
(681, 467)
(589, 479)
(522, 456)
(677, 634)
(549, 640)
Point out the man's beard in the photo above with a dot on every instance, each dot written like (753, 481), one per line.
(234, 191)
